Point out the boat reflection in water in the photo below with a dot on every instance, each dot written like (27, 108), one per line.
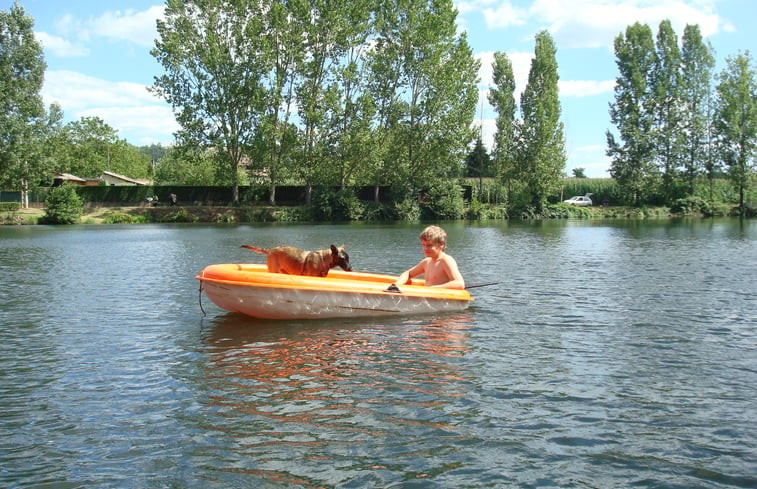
(324, 403)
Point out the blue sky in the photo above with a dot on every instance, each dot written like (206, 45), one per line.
(99, 62)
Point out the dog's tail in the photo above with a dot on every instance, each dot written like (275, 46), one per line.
(259, 250)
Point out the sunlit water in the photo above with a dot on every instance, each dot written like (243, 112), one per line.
(610, 355)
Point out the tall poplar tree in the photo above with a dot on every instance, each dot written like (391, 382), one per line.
(22, 113)
(214, 54)
(697, 63)
(666, 95)
(542, 148)
(633, 156)
(736, 121)
(502, 99)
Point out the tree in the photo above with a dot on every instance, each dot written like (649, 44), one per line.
(275, 142)
(441, 75)
(351, 121)
(502, 99)
(736, 121)
(542, 148)
(22, 114)
(189, 166)
(422, 82)
(697, 62)
(478, 164)
(579, 172)
(215, 55)
(666, 102)
(62, 206)
(84, 147)
(327, 40)
(633, 156)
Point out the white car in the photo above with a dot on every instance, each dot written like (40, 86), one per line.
(581, 201)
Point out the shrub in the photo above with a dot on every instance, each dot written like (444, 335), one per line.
(378, 212)
(119, 218)
(9, 206)
(339, 205)
(408, 210)
(443, 199)
(62, 206)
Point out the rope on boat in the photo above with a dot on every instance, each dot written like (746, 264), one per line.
(199, 298)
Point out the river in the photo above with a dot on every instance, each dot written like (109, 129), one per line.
(610, 354)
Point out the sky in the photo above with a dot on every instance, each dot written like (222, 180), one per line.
(99, 62)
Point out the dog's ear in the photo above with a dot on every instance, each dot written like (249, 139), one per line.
(334, 250)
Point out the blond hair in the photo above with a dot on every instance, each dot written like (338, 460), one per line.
(434, 234)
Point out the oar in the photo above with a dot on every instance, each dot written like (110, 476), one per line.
(395, 289)
(483, 285)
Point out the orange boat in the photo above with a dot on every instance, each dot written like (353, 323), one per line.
(250, 289)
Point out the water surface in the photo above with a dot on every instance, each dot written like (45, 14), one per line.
(612, 354)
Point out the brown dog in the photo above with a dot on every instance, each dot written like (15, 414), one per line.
(294, 261)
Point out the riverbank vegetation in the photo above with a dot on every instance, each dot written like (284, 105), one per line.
(368, 95)
(482, 199)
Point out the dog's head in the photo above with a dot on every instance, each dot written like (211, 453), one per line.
(340, 258)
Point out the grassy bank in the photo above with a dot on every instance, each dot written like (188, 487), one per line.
(239, 214)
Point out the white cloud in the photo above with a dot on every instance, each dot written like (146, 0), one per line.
(59, 46)
(128, 25)
(585, 88)
(136, 27)
(596, 23)
(505, 15)
(154, 124)
(76, 91)
(125, 106)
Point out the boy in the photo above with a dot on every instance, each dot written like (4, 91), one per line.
(438, 268)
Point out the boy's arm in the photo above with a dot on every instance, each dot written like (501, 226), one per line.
(405, 276)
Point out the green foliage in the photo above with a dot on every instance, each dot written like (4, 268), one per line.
(22, 114)
(89, 146)
(257, 214)
(63, 206)
(9, 206)
(480, 211)
(121, 218)
(632, 155)
(340, 205)
(695, 206)
(378, 212)
(190, 166)
(579, 172)
(442, 199)
(408, 210)
(488, 191)
(502, 99)
(541, 152)
(736, 122)
(565, 211)
(478, 163)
